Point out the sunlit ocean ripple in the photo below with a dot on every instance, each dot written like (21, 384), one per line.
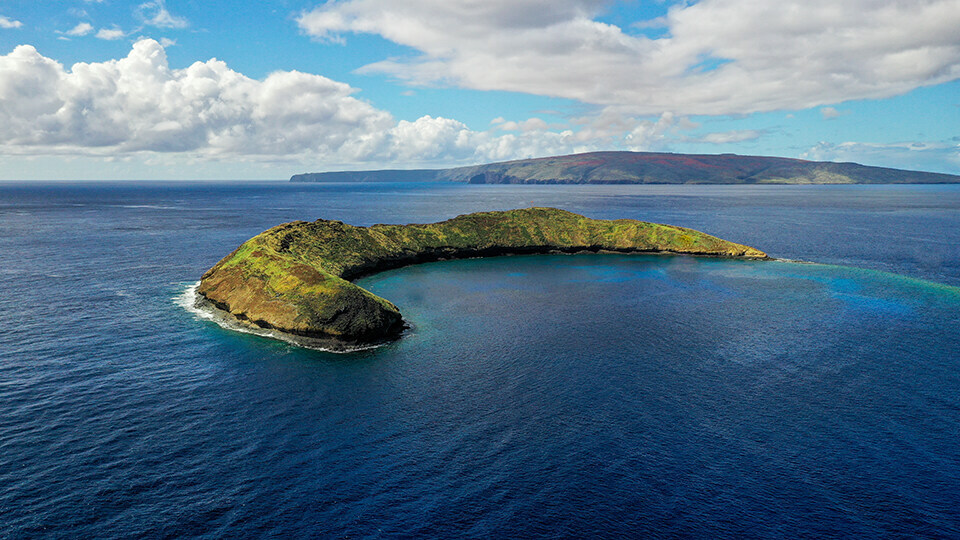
(551, 396)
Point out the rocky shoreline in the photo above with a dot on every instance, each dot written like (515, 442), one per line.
(294, 279)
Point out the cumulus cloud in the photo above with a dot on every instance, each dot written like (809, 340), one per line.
(81, 29)
(140, 105)
(650, 135)
(154, 13)
(110, 34)
(9, 23)
(715, 56)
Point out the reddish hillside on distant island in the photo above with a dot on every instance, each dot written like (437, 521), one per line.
(647, 168)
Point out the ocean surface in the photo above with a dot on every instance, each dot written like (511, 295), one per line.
(534, 396)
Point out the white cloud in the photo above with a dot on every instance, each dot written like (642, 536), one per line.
(154, 13)
(727, 137)
(9, 23)
(829, 113)
(790, 54)
(139, 105)
(936, 156)
(651, 135)
(530, 124)
(110, 34)
(430, 138)
(81, 29)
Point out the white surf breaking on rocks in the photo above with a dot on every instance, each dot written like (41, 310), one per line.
(194, 304)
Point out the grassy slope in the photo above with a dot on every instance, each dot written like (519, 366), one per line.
(650, 167)
(293, 277)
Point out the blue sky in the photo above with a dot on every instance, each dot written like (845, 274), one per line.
(111, 89)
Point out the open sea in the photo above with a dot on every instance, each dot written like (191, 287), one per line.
(572, 396)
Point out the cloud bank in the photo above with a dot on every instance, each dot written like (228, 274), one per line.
(939, 156)
(717, 56)
(140, 104)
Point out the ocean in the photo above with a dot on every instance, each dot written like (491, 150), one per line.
(533, 396)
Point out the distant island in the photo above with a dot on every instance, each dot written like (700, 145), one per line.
(294, 278)
(646, 168)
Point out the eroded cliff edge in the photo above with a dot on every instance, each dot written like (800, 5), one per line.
(294, 278)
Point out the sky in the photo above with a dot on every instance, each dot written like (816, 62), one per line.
(210, 89)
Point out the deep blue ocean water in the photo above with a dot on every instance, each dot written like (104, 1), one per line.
(535, 396)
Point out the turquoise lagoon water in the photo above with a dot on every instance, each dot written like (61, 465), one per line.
(588, 395)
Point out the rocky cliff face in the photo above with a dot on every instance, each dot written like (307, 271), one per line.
(294, 277)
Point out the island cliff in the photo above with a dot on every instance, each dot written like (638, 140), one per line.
(647, 168)
(294, 278)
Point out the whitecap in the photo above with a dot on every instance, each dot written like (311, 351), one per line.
(792, 261)
(202, 309)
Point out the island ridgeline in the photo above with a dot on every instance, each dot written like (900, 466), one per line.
(647, 168)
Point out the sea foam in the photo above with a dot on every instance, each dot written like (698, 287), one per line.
(201, 309)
